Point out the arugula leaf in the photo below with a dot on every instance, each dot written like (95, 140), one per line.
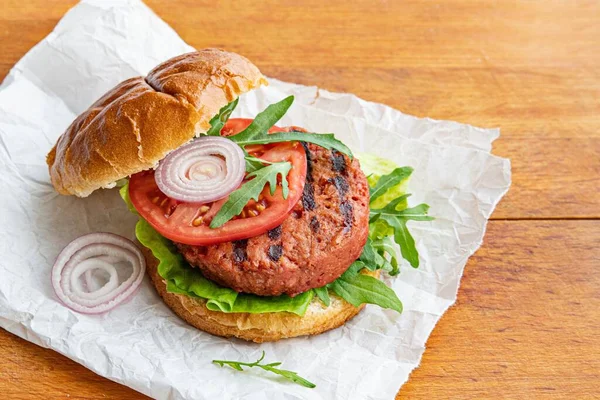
(390, 208)
(325, 140)
(359, 289)
(404, 239)
(388, 181)
(417, 213)
(390, 219)
(354, 268)
(371, 258)
(323, 295)
(289, 375)
(218, 121)
(257, 131)
(264, 120)
(251, 190)
(253, 164)
(384, 246)
(390, 268)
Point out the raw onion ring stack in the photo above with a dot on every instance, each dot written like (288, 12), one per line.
(96, 251)
(205, 170)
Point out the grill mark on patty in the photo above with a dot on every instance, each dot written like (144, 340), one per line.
(315, 224)
(341, 184)
(309, 166)
(308, 193)
(338, 162)
(275, 252)
(275, 233)
(239, 250)
(308, 197)
(347, 209)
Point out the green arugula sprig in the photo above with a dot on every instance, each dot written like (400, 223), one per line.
(253, 164)
(252, 189)
(393, 218)
(258, 131)
(289, 375)
(218, 121)
(386, 246)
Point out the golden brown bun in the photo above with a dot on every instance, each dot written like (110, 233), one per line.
(258, 328)
(139, 121)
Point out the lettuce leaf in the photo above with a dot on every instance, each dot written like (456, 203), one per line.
(183, 279)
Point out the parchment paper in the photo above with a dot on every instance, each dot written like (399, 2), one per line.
(142, 344)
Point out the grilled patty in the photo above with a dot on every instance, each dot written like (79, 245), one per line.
(325, 232)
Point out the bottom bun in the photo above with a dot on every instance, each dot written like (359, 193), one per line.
(266, 327)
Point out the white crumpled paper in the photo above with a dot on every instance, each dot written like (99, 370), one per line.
(142, 344)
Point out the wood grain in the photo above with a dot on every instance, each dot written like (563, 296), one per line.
(526, 320)
(525, 324)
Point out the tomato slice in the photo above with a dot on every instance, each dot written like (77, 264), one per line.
(189, 222)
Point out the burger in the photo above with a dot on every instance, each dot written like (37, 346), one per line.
(246, 229)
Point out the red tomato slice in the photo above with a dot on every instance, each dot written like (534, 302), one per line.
(189, 222)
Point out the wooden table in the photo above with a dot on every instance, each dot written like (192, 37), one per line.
(527, 320)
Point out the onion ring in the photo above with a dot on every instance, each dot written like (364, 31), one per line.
(96, 251)
(205, 170)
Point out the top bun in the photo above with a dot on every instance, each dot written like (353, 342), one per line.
(133, 126)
